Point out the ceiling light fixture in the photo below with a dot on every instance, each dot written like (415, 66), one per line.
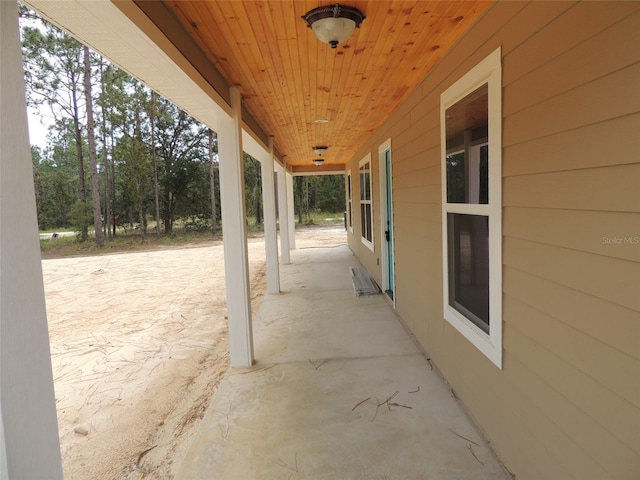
(321, 150)
(318, 161)
(321, 121)
(333, 24)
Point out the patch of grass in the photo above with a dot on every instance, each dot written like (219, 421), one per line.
(55, 230)
(130, 242)
(322, 219)
(253, 225)
(184, 233)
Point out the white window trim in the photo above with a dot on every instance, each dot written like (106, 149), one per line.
(488, 71)
(349, 201)
(365, 242)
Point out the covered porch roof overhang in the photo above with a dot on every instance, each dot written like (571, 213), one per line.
(140, 48)
(194, 52)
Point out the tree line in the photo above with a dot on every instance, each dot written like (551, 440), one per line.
(118, 154)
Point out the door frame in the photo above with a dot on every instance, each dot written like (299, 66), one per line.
(384, 217)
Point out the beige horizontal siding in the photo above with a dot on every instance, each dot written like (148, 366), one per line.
(610, 189)
(541, 411)
(603, 277)
(561, 34)
(577, 66)
(581, 356)
(594, 448)
(522, 431)
(429, 175)
(611, 234)
(613, 324)
(566, 404)
(425, 215)
(418, 240)
(423, 194)
(609, 97)
(426, 147)
(416, 133)
(414, 160)
(412, 230)
(585, 147)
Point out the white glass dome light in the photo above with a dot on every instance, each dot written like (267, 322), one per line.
(320, 149)
(333, 30)
(334, 24)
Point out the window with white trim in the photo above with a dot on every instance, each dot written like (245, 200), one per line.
(349, 202)
(471, 150)
(366, 204)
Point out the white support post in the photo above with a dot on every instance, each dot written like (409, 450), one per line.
(291, 212)
(28, 420)
(270, 228)
(284, 217)
(234, 235)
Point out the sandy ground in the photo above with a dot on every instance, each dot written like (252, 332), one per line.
(138, 346)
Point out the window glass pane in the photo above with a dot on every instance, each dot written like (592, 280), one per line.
(365, 181)
(367, 186)
(456, 178)
(484, 174)
(363, 219)
(365, 201)
(467, 123)
(369, 234)
(468, 244)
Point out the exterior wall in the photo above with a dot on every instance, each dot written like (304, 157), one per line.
(371, 260)
(566, 404)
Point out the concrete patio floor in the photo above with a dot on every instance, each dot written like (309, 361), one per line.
(339, 391)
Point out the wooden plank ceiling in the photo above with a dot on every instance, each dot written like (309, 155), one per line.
(288, 79)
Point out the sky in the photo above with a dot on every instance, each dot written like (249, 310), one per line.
(38, 131)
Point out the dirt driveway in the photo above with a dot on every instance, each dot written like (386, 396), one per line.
(138, 346)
